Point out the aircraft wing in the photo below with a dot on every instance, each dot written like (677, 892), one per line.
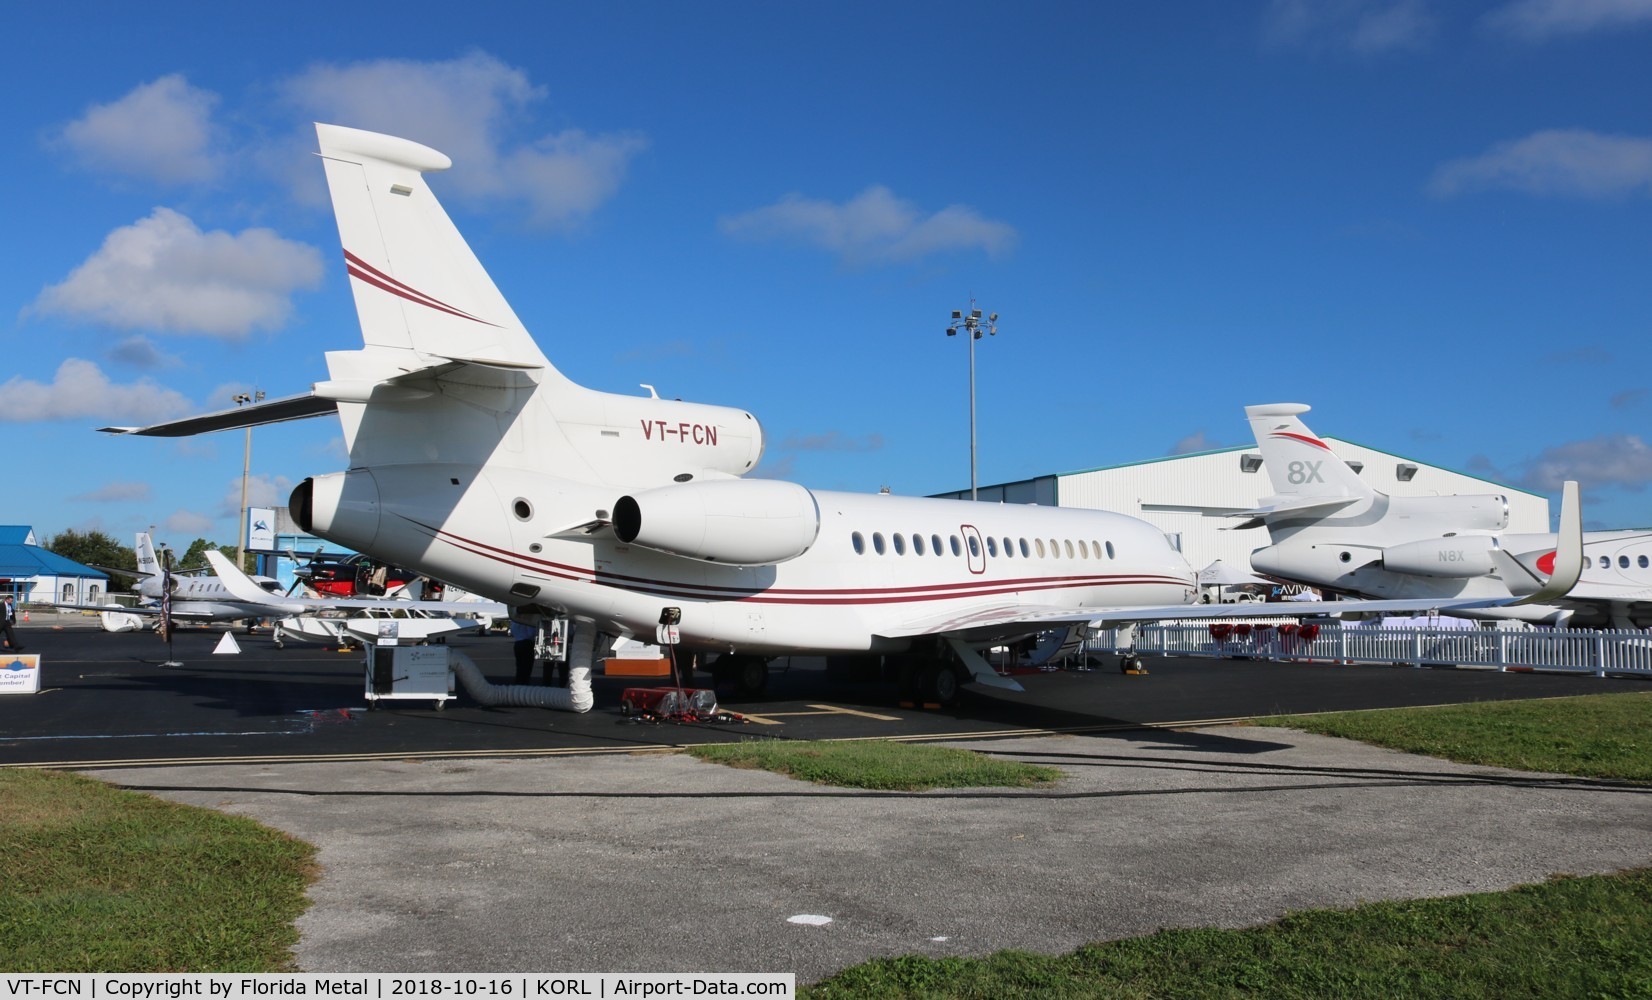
(271, 411)
(1009, 619)
(242, 588)
(139, 609)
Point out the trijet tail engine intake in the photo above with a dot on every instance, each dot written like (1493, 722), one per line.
(741, 522)
(1456, 557)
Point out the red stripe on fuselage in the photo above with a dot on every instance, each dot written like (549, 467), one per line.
(784, 595)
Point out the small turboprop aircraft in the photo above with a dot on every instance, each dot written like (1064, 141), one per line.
(188, 598)
(475, 461)
(1330, 529)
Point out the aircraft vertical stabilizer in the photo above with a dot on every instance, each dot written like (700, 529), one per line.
(1299, 464)
(417, 284)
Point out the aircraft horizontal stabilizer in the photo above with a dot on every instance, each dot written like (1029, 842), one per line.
(510, 366)
(1276, 507)
(273, 411)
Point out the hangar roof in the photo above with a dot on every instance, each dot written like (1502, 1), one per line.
(1252, 447)
(20, 559)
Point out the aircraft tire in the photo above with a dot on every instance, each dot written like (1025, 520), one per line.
(752, 676)
(747, 675)
(942, 685)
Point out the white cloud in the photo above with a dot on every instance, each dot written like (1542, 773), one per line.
(141, 352)
(1608, 460)
(163, 273)
(873, 226)
(80, 390)
(1364, 26)
(160, 131)
(566, 176)
(189, 525)
(464, 107)
(117, 492)
(1540, 20)
(1565, 162)
(1195, 442)
(262, 491)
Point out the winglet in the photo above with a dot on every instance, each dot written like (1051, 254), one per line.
(1568, 554)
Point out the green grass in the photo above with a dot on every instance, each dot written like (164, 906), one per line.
(1574, 937)
(877, 765)
(98, 879)
(1597, 736)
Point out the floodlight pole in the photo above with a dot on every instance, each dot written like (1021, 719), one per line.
(973, 325)
(242, 398)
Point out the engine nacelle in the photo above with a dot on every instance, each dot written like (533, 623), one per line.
(740, 522)
(1457, 557)
(1458, 512)
(339, 506)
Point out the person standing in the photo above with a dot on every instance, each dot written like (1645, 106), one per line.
(8, 618)
(524, 639)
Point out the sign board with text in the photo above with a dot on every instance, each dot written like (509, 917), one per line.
(19, 673)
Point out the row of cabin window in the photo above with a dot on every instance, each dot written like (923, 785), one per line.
(1623, 562)
(1080, 549)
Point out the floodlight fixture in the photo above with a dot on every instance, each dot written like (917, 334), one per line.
(972, 323)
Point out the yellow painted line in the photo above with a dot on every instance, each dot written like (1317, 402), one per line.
(767, 718)
(839, 710)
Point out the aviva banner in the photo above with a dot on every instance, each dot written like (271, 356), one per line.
(19, 673)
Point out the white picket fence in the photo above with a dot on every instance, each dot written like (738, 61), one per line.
(1579, 650)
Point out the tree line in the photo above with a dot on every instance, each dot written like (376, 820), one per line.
(96, 548)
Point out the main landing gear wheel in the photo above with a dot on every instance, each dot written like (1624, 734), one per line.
(943, 685)
(1131, 664)
(749, 675)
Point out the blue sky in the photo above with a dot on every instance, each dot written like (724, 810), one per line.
(1430, 221)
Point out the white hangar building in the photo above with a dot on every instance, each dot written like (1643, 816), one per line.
(1186, 495)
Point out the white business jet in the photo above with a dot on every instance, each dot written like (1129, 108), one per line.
(1329, 528)
(475, 461)
(189, 598)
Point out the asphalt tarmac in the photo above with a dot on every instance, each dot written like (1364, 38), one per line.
(109, 700)
(494, 840)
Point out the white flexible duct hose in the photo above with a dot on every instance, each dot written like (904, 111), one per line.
(576, 697)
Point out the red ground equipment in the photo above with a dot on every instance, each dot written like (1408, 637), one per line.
(669, 702)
